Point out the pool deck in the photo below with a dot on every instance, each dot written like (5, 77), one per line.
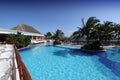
(8, 64)
(109, 46)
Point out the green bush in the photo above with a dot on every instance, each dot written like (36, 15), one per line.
(96, 45)
(2, 37)
(56, 42)
(19, 40)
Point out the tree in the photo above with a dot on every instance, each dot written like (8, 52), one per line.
(48, 35)
(89, 27)
(105, 31)
(117, 31)
(58, 35)
(77, 35)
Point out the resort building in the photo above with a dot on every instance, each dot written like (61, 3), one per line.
(12, 67)
(29, 31)
(35, 35)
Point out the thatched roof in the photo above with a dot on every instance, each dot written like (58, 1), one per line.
(25, 28)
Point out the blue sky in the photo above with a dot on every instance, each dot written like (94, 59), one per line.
(49, 15)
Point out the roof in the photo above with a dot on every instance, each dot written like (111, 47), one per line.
(8, 31)
(25, 28)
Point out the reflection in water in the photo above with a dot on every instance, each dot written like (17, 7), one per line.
(114, 66)
(113, 54)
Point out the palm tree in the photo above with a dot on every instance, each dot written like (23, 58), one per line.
(58, 35)
(77, 35)
(105, 31)
(88, 30)
(48, 35)
(117, 31)
(90, 27)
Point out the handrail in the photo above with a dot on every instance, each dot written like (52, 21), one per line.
(23, 72)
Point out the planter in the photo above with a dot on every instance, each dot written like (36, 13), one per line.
(92, 51)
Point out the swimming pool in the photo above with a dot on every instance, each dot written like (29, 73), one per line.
(60, 63)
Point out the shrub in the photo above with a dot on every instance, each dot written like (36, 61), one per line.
(2, 37)
(96, 45)
(19, 40)
(56, 42)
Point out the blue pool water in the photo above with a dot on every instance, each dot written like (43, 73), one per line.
(114, 54)
(60, 63)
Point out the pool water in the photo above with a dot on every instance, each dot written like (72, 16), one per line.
(114, 54)
(59, 63)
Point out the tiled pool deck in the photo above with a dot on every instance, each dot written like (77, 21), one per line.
(8, 64)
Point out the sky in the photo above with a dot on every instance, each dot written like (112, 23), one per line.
(50, 15)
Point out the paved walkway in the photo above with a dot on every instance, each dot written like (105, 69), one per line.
(7, 62)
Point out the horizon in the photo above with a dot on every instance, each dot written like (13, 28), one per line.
(48, 16)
